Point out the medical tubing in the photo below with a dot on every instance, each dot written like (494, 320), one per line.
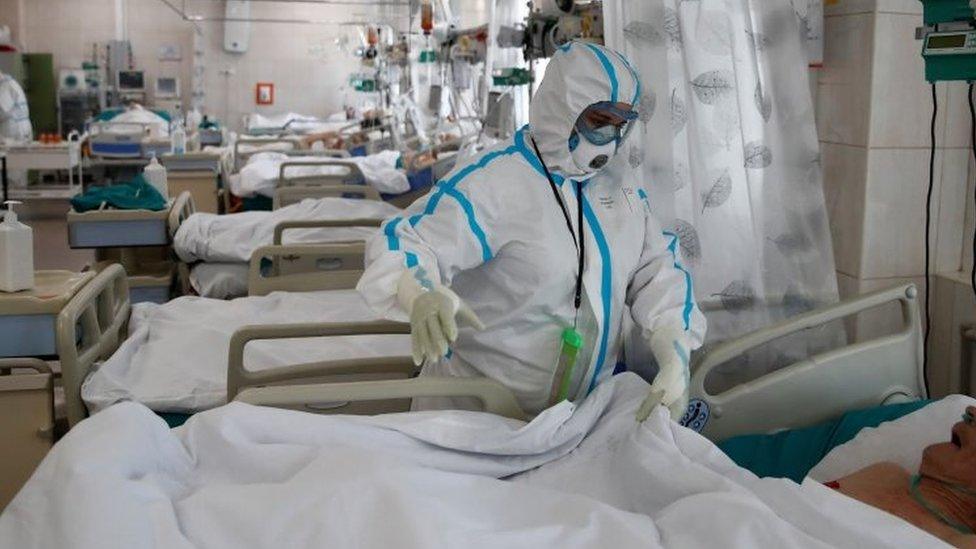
(972, 128)
(580, 246)
(928, 230)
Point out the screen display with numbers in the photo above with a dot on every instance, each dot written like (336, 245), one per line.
(947, 41)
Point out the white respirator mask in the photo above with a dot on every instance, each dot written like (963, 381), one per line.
(588, 157)
(593, 143)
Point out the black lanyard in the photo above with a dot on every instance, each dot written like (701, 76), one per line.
(580, 242)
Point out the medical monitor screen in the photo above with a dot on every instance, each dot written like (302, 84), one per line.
(166, 86)
(132, 80)
(947, 41)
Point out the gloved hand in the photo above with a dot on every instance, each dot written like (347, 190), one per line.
(673, 376)
(433, 317)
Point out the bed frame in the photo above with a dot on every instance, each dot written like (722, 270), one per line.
(306, 267)
(350, 386)
(309, 267)
(26, 421)
(351, 175)
(883, 370)
(93, 325)
(241, 157)
(286, 196)
(89, 329)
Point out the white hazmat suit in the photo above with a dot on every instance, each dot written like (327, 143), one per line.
(493, 232)
(15, 124)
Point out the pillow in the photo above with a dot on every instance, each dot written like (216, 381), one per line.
(900, 441)
(792, 453)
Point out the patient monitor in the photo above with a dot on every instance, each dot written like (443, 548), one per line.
(167, 87)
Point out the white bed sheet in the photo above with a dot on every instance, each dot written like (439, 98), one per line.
(175, 358)
(297, 123)
(219, 280)
(242, 476)
(900, 441)
(260, 174)
(158, 125)
(234, 237)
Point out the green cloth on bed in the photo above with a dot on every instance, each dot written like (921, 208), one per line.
(791, 454)
(136, 194)
(173, 419)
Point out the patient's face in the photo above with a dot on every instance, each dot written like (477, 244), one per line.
(954, 461)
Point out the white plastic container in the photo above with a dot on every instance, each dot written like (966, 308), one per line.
(179, 139)
(155, 174)
(16, 252)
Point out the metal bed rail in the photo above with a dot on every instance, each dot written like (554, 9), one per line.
(883, 370)
(330, 386)
(89, 329)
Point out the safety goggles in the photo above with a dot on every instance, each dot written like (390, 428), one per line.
(604, 122)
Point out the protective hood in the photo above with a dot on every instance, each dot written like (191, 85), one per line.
(578, 75)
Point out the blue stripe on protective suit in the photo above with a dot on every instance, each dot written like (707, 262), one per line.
(393, 242)
(607, 66)
(633, 74)
(530, 156)
(448, 188)
(643, 196)
(689, 299)
(606, 282)
(606, 287)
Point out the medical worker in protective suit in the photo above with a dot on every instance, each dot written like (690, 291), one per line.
(15, 124)
(531, 249)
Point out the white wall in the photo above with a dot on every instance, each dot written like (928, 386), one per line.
(873, 113)
(309, 73)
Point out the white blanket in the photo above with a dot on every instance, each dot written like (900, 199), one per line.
(159, 127)
(260, 174)
(241, 476)
(297, 123)
(220, 280)
(234, 237)
(175, 358)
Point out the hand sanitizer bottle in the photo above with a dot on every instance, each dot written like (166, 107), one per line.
(16, 252)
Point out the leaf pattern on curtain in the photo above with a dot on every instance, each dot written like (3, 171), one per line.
(648, 102)
(672, 28)
(642, 31)
(738, 295)
(739, 181)
(757, 155)
(719, 192)
(712, 86)
(679, 115)
(635, 156)
(687, 239)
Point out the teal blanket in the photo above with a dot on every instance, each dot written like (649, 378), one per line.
(137, 194)
(792, 454)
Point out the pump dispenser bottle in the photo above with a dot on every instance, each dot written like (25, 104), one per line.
(16, 252)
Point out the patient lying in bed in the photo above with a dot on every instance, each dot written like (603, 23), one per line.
(939, 498)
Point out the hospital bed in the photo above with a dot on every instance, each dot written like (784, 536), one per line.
(885, 369)
(246, 147)
(92, 326)
(268, 388)
(317, 260)
(421, 177)
(109, 137)
(118, 236)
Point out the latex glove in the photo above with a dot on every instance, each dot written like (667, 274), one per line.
(673, 376)
(433, 316)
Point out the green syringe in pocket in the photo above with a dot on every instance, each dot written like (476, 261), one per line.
(572, 341)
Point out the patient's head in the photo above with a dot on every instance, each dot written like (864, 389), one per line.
(954, 462)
